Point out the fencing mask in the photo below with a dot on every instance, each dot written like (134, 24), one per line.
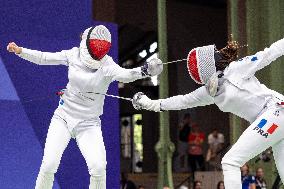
(95, 44)
(201, 63)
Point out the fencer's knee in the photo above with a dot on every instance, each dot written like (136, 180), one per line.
(225, 160)
(230, 159)
(229, 167)
(97, 169)
(49, 166)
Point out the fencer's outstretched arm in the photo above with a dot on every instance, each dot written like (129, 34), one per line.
(126, 75)
(199, 97)
(38, 57)
(152, 68)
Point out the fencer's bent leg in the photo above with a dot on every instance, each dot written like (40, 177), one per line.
(278, 153)
(57, 140)
(232, 175)
(91, 144)
(255, 139)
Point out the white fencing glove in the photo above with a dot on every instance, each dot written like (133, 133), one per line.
(141, 101)
(152, 68)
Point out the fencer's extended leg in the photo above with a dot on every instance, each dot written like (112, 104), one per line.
(57, 140)
(261, 134)
(91, 144)
(44, 180)
(278, 153)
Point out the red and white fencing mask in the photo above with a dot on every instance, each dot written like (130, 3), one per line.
(201, 63)
(95, 44)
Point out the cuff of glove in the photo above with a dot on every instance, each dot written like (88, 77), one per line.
(153, 105)
(144, 70)
(23, 52)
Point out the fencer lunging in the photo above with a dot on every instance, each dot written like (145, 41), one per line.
(233, 87)
(90, 71)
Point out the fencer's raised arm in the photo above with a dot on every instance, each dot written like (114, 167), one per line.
(38, 57)
(199, 97)
(250, 64)
(152, 68)
(44, 58)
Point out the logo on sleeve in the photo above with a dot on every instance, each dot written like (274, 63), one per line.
(61, 102)
(277, 113)
(265, 132)
(254, 58)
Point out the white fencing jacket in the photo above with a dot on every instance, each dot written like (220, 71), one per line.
(78, 102)
(239, 91)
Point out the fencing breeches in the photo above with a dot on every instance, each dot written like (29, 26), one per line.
(89, 139)
(267, 130)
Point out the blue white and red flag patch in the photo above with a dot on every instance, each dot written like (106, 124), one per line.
(264, 130)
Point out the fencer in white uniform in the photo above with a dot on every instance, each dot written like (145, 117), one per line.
(90, 71)
(234, 88)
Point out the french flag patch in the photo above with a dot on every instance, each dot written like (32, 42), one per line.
(265, 132)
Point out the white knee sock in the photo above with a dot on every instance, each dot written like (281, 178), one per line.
(98, 182)
(44, 180)
(232, 176)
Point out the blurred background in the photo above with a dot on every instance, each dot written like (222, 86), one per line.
(132, 136)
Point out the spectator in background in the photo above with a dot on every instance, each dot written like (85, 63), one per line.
(248, 181)
(183, 187)
(197, 184)
(166, 187)
(220, 185)
(184, 132)
(125, 183)
(195, 152)
(141, 187)
(259, 179)
(185, 128)
(216, 144)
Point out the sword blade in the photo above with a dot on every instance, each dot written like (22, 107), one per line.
(175, 61)
(114, 96)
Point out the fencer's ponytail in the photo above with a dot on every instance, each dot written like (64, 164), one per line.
(227, 54)
(230, 52)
